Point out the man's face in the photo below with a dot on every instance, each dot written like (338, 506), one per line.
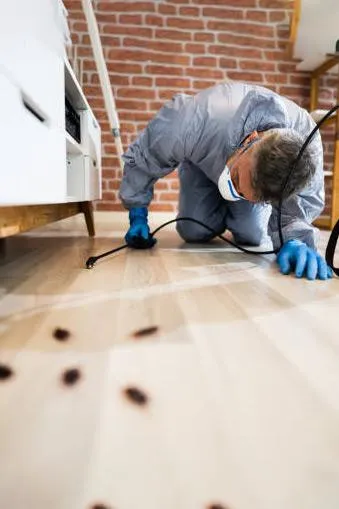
(242, 164)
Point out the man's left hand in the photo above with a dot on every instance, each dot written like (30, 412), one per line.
(304, 261)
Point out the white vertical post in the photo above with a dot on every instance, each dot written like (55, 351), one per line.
(103, 76)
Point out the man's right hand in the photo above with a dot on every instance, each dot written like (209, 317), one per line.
(138, 235)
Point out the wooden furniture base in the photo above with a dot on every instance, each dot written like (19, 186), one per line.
(18, 219)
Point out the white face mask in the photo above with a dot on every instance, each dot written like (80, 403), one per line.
(226, 186)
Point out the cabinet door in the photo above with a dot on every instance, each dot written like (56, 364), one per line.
(32, 54)
(83, 178)
(33, 162)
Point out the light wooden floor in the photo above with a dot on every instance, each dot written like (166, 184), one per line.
(236, 382)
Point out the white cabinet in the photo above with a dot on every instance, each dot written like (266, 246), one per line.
(41, 162)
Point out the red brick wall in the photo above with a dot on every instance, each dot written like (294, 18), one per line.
(154, 49)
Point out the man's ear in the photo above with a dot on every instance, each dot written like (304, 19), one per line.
(251, 137)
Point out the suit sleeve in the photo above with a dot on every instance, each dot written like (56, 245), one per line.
(167, 140)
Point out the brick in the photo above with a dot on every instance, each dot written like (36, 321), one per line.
(161, 185)
(130, 31)
(141, 126)
(283, 33)
(130, 19)
(136, 93)
(283, 45)
(242, 28)
(136, 116)
(118, 80)
(274, 4)
(114, 184)
(205, 61)
(189, 11)
(161, 207)
(126, 6)
(323, 93)
(170, 47)
(92, 91)
(245, 76)
(77, 15)
(300, 79)
(152, 19)
(106, 17)
(168, 196)
(109, 148)
(108, 40)
(107, 173)
(195, 48)
(328, 138)
(290, 91)
(328, 80)
(84, 40)
(276, 55)
(247, 41)
(156, 105)
(175, 184)
(84, 51)
(80, 26)
(108, 195)
(107, 137)
(173, 35)
(123, 67)
(204, 73)
(324, 104)
(286, 67)
(166, 9)
(131, 105)
(73, 5)
(166, 94)
(104, 206)
(142, 81)
(147, 56)
(278, 17)
(215, 12)
(328, 157)
(229, 3)
(235, 51)
(257, 66)
(228, 63)
(96, 103)
(186, 24)
(257, 15)
(276, 78)
(110, 161)
(75, 38)
(89, 78)
(172, 175)
(101, 115)
(204, 37)
(172, 82)
(166, 70)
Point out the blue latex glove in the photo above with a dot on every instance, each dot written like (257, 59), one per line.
(138, 235)
(296, 255)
